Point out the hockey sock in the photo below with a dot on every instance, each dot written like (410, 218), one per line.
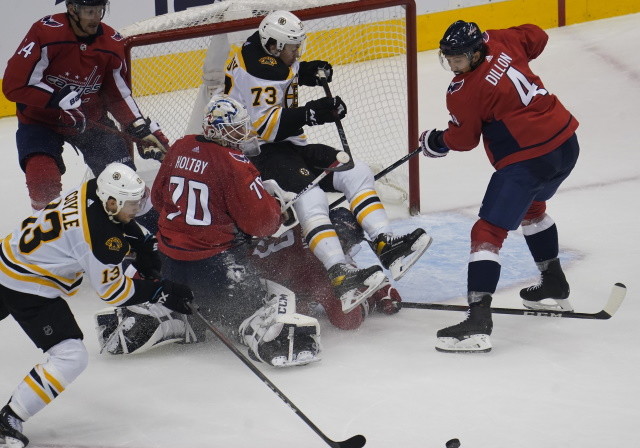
(542, 239)
(44, 180)
(370, 213)
(483, 272)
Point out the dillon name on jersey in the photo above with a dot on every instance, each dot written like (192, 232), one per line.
(72, 236)
(267, 87)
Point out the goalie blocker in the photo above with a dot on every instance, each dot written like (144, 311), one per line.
(275, 333)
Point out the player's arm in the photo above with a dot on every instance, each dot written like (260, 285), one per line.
(23, 77)
(532, 38)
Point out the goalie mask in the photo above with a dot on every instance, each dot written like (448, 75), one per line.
(227, 123)
(281, 28)
(121, 183)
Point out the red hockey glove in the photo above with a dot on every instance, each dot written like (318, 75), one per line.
(69, 102)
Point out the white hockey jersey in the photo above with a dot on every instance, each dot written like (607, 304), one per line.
(268, 89)
(52, 250)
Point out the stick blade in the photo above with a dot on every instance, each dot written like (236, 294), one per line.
(618, 293)
(357, 441)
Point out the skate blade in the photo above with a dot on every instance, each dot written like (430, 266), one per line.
(557, 305)
(476, 343)
(351, 299)
(297, 363)
(400, 266)
(11, 442)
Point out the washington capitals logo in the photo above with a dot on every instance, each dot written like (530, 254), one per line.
(117, 37)
(48, 21)
(455, 86)
(239, 157)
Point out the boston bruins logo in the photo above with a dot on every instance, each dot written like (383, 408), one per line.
(114, 243)
(268, 60)
(305, 172)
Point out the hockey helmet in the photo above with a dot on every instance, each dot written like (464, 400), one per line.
(121, 183)
(281, 28)
(461, 38)
(82, 6)
(226, 121)
(349, 232)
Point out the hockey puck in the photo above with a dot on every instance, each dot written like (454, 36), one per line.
(453, 443)
(343, 157)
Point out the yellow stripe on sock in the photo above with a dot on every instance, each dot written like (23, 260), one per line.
(37, 389)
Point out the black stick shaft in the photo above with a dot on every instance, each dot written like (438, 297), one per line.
(357, 441)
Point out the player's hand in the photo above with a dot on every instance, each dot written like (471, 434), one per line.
(150, 132)
(432, 144)
(325, 110)
(174, 296)
(69, 101)
(308, 73)
(147, 261)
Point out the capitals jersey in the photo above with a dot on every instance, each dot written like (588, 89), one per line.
(268, 89)
(209, 198)
(51, 57)
(506, 103)
(72, 237)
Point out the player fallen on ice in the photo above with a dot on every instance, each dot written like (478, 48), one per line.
(530, 140)
(264, 75)
(87, 232)
(211, 202)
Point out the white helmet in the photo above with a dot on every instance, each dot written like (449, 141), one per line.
(120, 182)
(226, 121)
(284, 28)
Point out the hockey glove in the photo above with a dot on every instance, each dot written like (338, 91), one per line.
(157, 144)
(174, 296)
(432, 143)
(69, 102)
(308, 73)
(147, 260)
(325, 110)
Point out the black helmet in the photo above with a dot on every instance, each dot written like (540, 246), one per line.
(461, 38)
(87, 2)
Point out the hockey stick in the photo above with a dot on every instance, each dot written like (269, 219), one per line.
(382, 173)
(356, 441)
(618, 293)
(322, 77)
(124, 135)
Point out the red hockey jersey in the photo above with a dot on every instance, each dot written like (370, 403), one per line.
(51, 56)
(207, 195)
(506, 103)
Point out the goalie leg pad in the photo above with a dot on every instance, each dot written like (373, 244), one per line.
(277, 335)
(139, 328)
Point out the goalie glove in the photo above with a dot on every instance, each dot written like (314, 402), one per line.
(69, 102)
(149, 131)
(308, 72)
(432, 143)
(325, 110)
(289, 218)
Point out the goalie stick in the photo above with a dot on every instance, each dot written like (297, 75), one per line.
(618, 293)
(357, 441)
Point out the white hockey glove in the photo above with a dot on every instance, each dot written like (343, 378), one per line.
(69, 102)
(156, 143)
(432, 144)
(289, 217)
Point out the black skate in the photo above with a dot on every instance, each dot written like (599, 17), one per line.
(470, 335)
(398, 254)
(553, 285)
(353, 286)
(11, 429)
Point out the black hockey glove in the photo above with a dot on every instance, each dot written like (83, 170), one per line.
(432, 143)
(325, 110)
(308, 73)
(156, 143)
(174, 296)
(147, 261)
(69, 102)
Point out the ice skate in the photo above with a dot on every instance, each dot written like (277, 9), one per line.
(398, 254)
(11, 430)
(470, 335)
(353, 286)
(553, 288)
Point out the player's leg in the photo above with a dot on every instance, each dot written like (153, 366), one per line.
(541, 234)
(51, 326)
(40, 157)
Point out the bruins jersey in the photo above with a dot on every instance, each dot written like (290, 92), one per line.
(268, 88)
(71, 237)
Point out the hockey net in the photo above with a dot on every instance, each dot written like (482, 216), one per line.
(177, 61)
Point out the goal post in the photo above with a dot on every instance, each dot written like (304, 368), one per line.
(177, 61)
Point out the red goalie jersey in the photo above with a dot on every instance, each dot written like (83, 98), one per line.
(506, 103)
(210, 198)
(51, 57)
